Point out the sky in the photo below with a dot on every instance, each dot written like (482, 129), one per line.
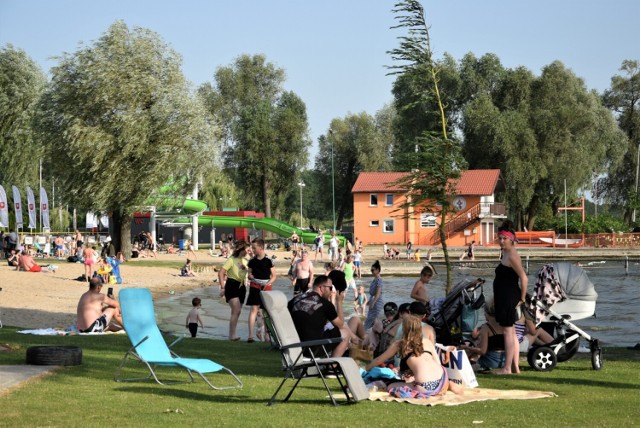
(334, 52)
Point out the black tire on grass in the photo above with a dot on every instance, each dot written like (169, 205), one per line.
(54, 355)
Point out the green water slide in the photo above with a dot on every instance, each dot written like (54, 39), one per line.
(270, 224)
(194, 206)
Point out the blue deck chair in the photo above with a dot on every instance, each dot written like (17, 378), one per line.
(149, 346)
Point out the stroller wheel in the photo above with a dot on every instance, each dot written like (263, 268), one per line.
(569, 349)
(596, 356)
(542, 358)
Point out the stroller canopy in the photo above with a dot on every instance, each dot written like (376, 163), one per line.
(575, 282)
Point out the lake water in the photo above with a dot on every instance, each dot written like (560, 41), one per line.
(617, 320)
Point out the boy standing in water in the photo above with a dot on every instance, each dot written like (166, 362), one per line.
(419, 291)
(193, 319)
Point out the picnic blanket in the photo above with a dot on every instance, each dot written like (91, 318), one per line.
(470, 395)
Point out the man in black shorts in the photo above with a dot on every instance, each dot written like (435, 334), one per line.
(262, 275)
(312, 310)
(303, 274)
(96, 310)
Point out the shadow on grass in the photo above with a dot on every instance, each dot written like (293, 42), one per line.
(579, 382)
(225, 397)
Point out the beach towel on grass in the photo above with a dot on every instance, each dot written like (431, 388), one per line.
(469, 396)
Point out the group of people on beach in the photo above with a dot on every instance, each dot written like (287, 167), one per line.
(399, 334)
(391, 253)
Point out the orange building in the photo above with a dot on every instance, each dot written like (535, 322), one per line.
(378, 215)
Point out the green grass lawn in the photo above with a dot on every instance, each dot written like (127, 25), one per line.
(87, 395)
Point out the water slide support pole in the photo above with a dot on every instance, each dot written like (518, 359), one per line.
(194, 221)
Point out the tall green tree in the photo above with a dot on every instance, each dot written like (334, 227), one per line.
(417, 111)
(118, 119)
(540, 131)
(356, 144)
(266, 129)
(21, 85)
(437, 156)
(623, 98)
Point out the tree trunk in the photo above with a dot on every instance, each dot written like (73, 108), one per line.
(266, 199)
(346, 195)
(121, 224)
(445, 250)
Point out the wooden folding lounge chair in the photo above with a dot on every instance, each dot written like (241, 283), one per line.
(299, 364)
(149, 347)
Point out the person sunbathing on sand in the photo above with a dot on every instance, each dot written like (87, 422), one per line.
(27, 264)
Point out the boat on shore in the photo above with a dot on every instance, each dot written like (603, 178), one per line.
(561, 242)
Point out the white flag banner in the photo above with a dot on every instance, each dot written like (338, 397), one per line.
(44, 208)
(31, 206)
(92, 221)
(4, 209)
(104, 220)
(17, 205)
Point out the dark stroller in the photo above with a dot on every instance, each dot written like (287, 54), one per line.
(563, 292)
(447, 318)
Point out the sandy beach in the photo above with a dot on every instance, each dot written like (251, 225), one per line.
(43, 300)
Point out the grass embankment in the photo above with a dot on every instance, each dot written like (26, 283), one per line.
(87, 395)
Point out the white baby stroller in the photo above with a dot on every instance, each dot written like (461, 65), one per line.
(562, 292)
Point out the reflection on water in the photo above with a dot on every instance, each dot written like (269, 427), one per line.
(617, 320)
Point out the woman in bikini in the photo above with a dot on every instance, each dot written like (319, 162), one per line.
(422, 373)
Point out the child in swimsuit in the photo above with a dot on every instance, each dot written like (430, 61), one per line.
(361, 302)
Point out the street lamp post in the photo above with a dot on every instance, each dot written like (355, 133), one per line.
(633, 216)
(333, 183)
(301, 184)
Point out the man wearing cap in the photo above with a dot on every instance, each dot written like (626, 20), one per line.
(96, 310)
(315, 317)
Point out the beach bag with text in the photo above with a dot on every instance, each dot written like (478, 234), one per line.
(457, 364)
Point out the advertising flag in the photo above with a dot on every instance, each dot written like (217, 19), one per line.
(4, 210)
(92, 221)
(44, 208)
(17, 204)
(31, 207)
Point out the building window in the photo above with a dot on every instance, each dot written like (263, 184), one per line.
(428, 220)
(388, 199)
(374, 223)
(373, 200)
(388, 226)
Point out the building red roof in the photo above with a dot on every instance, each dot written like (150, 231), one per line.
(377, 182)
(479, 182)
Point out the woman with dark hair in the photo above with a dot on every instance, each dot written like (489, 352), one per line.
(508, 294)
(376, 303)
(232, 277)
